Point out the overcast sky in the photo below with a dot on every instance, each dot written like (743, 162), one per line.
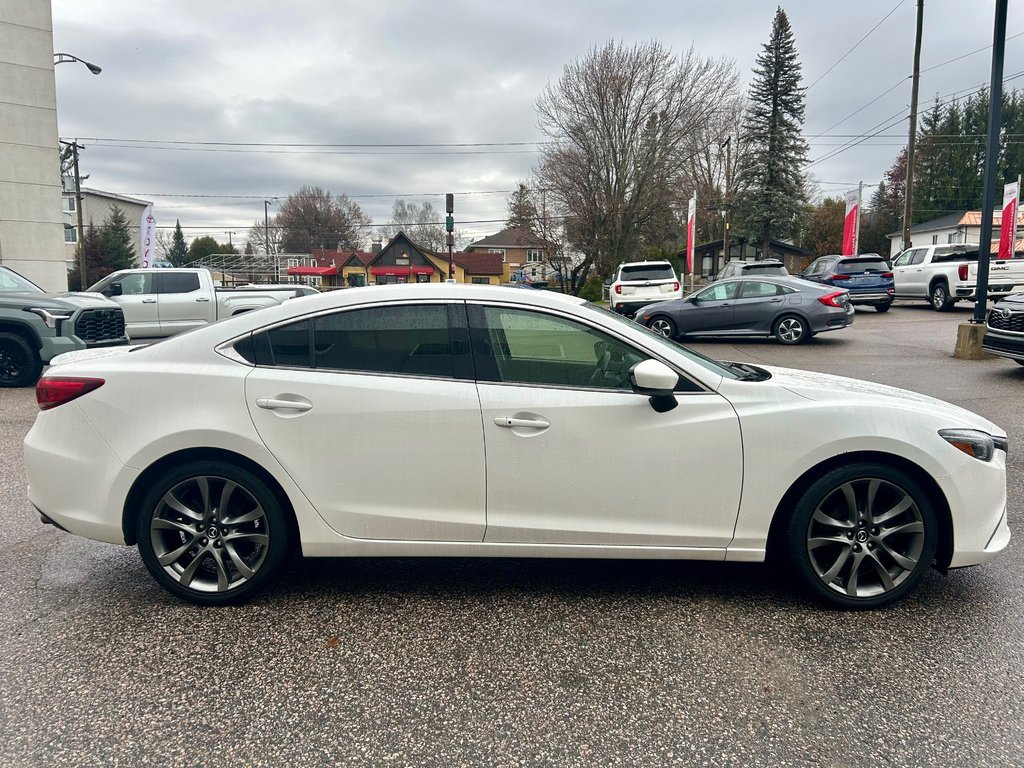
(449, 71)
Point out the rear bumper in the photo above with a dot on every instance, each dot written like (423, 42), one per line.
(872, 297)
(971, 292)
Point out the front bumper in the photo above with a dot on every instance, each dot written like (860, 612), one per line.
(976, 494)
(1003, 345)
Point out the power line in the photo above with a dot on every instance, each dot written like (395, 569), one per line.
(843, 57)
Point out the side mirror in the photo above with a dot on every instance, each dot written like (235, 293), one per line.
(656, 380)
(114, 289)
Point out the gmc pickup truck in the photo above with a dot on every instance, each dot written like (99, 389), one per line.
(36, 326)
(945, 274)
(163, 302)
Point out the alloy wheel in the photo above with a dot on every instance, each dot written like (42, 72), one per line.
(662, 327)
(866, 538)
(790, 330)
(209, 534)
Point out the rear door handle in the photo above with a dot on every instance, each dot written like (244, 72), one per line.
(149, 301)
(511, 423)
(271, 404)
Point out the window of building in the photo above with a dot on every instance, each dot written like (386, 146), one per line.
(69, 204)
(70, 235)
(535, 254)
(481, 281)
(498, 250)
(293, 262)
(935, 239)
(950, 239)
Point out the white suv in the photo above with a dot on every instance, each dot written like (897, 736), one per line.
(639, 283)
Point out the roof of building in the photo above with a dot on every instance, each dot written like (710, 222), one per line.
(510, 238)
(112, 196)
(479, 263)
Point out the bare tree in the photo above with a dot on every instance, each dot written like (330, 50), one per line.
(265, 236)
(314, 218)
(623, 124)
(420, 222)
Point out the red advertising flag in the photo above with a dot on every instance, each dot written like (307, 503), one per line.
(850, 227)
(1008, 224)
(691, 216)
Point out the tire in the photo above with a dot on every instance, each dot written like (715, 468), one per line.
(791, 329)
(849, 555)
(198, 551)
(938, 295)
(663, 326)
(20, 364)
(883, 307)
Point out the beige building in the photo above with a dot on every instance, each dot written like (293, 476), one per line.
(524, 256)
(96, 206)
(31, 224)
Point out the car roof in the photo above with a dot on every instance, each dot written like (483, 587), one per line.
(791, 280)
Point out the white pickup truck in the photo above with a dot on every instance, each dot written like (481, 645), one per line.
(945, 274)
(163, 302)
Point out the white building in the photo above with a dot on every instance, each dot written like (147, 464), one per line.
(96, 206)
(31, 224)
(960, 227)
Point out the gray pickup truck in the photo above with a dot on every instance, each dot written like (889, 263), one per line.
(36, 326)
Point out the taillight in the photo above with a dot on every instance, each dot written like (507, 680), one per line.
(832, 299)
(887, 274)
(675, 286)
(838, 276)
(52, 391)
(961, 271)
(618, 289)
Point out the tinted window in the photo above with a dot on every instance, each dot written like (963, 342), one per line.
(757, 290)
(647, 272)
(136, 284)
(179, 282)
(719, 292)
(411, 340)
(765, 269)
(526, 347)
(955, 253)
(850, 266)
(287, 346)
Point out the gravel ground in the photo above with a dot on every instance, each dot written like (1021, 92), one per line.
(517, 662)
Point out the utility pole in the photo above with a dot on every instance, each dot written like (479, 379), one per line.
(908, 192)
(83, 277)
(449, 225)
(725, 234)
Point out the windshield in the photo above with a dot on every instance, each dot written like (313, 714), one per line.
(12, 282)
(706, 362)
(647, 272)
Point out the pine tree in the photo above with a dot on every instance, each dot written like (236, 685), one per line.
(771, 176)
(116, 236)
(178, 255)
(91, 247)
(522, 212)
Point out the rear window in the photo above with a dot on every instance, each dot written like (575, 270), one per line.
(765, 269)
(849, 266)
(647, 272)
(953, 253)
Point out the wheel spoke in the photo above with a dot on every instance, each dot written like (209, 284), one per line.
(180, 508)
(824, 519)
(255, 538)
(225, 499)
(901, 560)
(883, 574)
(162, 523)
(240, 564)
(837, 566)
(222, 570)
(851, 583)
(204, 489)
(171, 557)
(869, 502)
(915, 527)
(189, 573)
(898, 509)
(851, 502)
(249, 517)
(824, 541)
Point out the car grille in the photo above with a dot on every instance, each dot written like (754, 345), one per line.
(95, 326)
(999, 320)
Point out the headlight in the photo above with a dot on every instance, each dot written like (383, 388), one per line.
(51, 316)
(974, 442)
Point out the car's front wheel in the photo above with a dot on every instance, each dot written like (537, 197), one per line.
(212, 533)
(20, 365)
(791, 330)
(862, 536)
(663, 326)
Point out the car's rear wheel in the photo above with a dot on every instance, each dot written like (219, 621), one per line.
(883, 307)
(940, 297)
(791, 329)
(663, 326)
(862, 536)
(212, 533)
(20, 365)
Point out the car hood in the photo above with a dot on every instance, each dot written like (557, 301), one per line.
(829, 388)
(64, 301)
(1016, 300)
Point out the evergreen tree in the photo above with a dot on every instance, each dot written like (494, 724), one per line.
(91, 246)
(202, 247)
(522, 212)
(116, 235)
(771, 175)
(178, 255)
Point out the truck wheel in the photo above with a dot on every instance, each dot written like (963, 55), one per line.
(940, 297)
(20, 364)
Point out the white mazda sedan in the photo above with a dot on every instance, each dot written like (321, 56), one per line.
(401, 421)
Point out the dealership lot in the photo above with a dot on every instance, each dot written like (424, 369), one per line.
(523, 662)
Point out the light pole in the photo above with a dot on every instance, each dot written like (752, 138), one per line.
(266, 239)
(67, 58)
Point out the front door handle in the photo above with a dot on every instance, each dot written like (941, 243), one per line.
(149, 301)
(511, 423)
(202, 299)
(272, 404)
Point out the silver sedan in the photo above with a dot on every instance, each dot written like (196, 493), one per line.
(788, 308)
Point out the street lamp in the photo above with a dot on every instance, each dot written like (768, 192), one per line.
(67, 58)
(266, 238)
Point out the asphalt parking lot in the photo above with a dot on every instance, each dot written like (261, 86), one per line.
(521, 663)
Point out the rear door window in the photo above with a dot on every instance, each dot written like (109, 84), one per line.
(177, 282)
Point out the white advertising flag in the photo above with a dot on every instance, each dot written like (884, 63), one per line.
(147, 231)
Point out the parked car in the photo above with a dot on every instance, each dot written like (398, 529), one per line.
(790, 309)
(1004, 329)
(162, 302)
(350, 424)
(739, 268)
(36, 326)
(945, 274)
(297, 289)
(867, 277)
(637, 283)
